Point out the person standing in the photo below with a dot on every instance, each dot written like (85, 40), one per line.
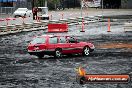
(35, 10)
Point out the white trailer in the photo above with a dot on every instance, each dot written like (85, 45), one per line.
(43, 13)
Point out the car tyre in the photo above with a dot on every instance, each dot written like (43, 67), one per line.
(86, 51)
(58, 53)
(47, 18)
(40, 56)
(25, 15)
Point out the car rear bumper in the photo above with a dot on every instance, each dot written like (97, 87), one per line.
(45, 52)
(91, 50)
(18, 14)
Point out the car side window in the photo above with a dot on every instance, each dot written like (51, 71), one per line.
(53, 40)
(72, 40)
(62, 40)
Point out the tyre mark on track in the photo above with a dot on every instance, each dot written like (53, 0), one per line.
(115, 45)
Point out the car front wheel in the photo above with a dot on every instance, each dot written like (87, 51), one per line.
(86, 51)
(58, 53)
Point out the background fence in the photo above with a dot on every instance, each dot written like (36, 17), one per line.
(10, 7)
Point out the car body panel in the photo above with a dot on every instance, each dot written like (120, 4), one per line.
(53, 42)
(22, 12)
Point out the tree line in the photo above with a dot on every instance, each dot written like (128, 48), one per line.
(57, 4)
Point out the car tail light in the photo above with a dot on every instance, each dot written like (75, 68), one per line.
(30, 47)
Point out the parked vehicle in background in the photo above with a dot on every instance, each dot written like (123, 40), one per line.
(60, 7)
(20, 12)
(43, 13)
(58, 46)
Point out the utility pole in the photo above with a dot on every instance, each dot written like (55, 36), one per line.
(102, 11)
(102, 7)
(32, 4)
(45, 3)
(81, 8)
(33, 7)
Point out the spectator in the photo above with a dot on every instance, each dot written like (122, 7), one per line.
(35, 10)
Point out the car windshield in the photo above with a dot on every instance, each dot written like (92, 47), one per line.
(38, 40)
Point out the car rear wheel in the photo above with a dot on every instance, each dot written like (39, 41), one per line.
(40, 56)
(86, 51)
(47, 18)
(58, 53)
(25, 15)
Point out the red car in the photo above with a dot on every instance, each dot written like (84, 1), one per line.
(58, 45)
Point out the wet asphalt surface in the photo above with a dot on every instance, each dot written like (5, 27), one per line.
(18, 69)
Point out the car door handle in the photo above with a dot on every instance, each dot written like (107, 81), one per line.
(71, 45)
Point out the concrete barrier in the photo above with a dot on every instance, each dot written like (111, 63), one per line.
(72, 20)
(63, 21)
(11, 27)
(127, 27)
(28, 25)
(80, 18)
(44, 23)
(99, 18)
(92, 19)
(3, 29)
(37, 24)
(54, 21)
(19, 27)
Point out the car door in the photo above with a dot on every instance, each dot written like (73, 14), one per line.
(52, 44)
(63, 45)
(74, 45)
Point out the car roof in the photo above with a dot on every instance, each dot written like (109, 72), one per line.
(53, 36)
(22, 9)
